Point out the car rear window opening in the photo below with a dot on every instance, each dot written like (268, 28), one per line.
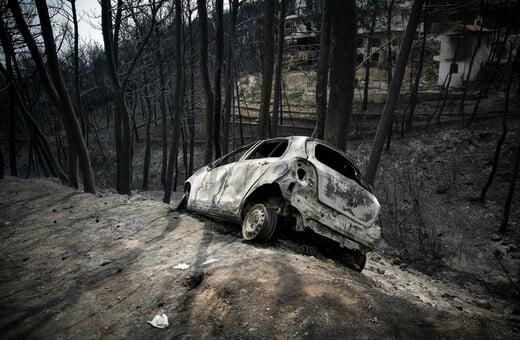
(335, 161)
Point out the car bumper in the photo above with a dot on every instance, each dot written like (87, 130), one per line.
(331, 224)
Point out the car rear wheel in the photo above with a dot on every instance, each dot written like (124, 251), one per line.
(360, 260)
(259, 223)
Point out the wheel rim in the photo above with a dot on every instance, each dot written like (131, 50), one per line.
(254, 222)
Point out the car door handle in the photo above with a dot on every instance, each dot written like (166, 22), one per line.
(263, 163)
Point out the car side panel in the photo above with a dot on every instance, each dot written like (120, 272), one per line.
(239, 179)
(208, 186)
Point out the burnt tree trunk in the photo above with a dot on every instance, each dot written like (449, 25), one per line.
(56, 88)
(501, 139)
(323, 71)
(509, 199)
(172, 158)
(385, 124)
(1, 165)
(466, 84)
(229, 75)
(267, 71)
(454, 60)
(147, 149)
(40, 139)
(77, 92)
(364, 105)
(6, 41)
(206, 84)
(390, 56)
(342, 71)
(162, 106)
(278, 70)
(219, 60)
(121, 114)
(415, 90)
(191, 115)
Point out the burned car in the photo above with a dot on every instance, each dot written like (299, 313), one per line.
(309, 184)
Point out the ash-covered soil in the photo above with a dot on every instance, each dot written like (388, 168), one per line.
(76, 265)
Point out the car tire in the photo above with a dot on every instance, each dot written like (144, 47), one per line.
(259, 224)
(360, 260)
(353, 259)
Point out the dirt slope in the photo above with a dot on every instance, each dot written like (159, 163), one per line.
(77, 265)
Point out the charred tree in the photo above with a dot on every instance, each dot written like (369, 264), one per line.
(364, 105)
(206, 84)
(342, 71)
(77, 92)
(56, 89)
(385, 124)
(147, 148)
(121, 113)
(172, 158)
(1, 165)
(502, 138)
(509, 199)
(465, 85)
(191, 100)
(415, 89)
(230, 61)
(162, 105)
(390, 55)
(219, 60)
(278, 70)
(267, 71)
(323, 70)
(7, 46)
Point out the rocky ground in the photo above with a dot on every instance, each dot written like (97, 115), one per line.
(76, 265)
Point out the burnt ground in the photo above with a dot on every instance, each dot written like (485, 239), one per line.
(76, 265)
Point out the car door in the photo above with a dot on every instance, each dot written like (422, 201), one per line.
(244, 174)
(209, 186)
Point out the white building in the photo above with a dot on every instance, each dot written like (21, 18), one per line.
(459, 65)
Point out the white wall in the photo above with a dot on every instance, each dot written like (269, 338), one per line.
(447, 51)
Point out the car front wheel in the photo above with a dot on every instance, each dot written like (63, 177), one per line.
(259, 223)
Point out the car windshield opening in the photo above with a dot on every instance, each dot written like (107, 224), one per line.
(231, 157)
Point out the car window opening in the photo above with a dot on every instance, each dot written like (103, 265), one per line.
(335, 161)
(231, 157)
(269, 149)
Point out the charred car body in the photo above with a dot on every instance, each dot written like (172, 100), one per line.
(299, 179)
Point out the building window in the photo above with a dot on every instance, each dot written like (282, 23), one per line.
(360, 42)
(374, 57)
(454, 68)
(359, 58)
(375, 42)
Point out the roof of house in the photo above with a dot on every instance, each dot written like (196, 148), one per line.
(459, 28)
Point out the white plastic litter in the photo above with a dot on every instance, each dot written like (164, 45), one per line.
(182, 266)
(208, 261)
(159, 321)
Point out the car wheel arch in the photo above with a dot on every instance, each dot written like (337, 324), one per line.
(268, 194)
